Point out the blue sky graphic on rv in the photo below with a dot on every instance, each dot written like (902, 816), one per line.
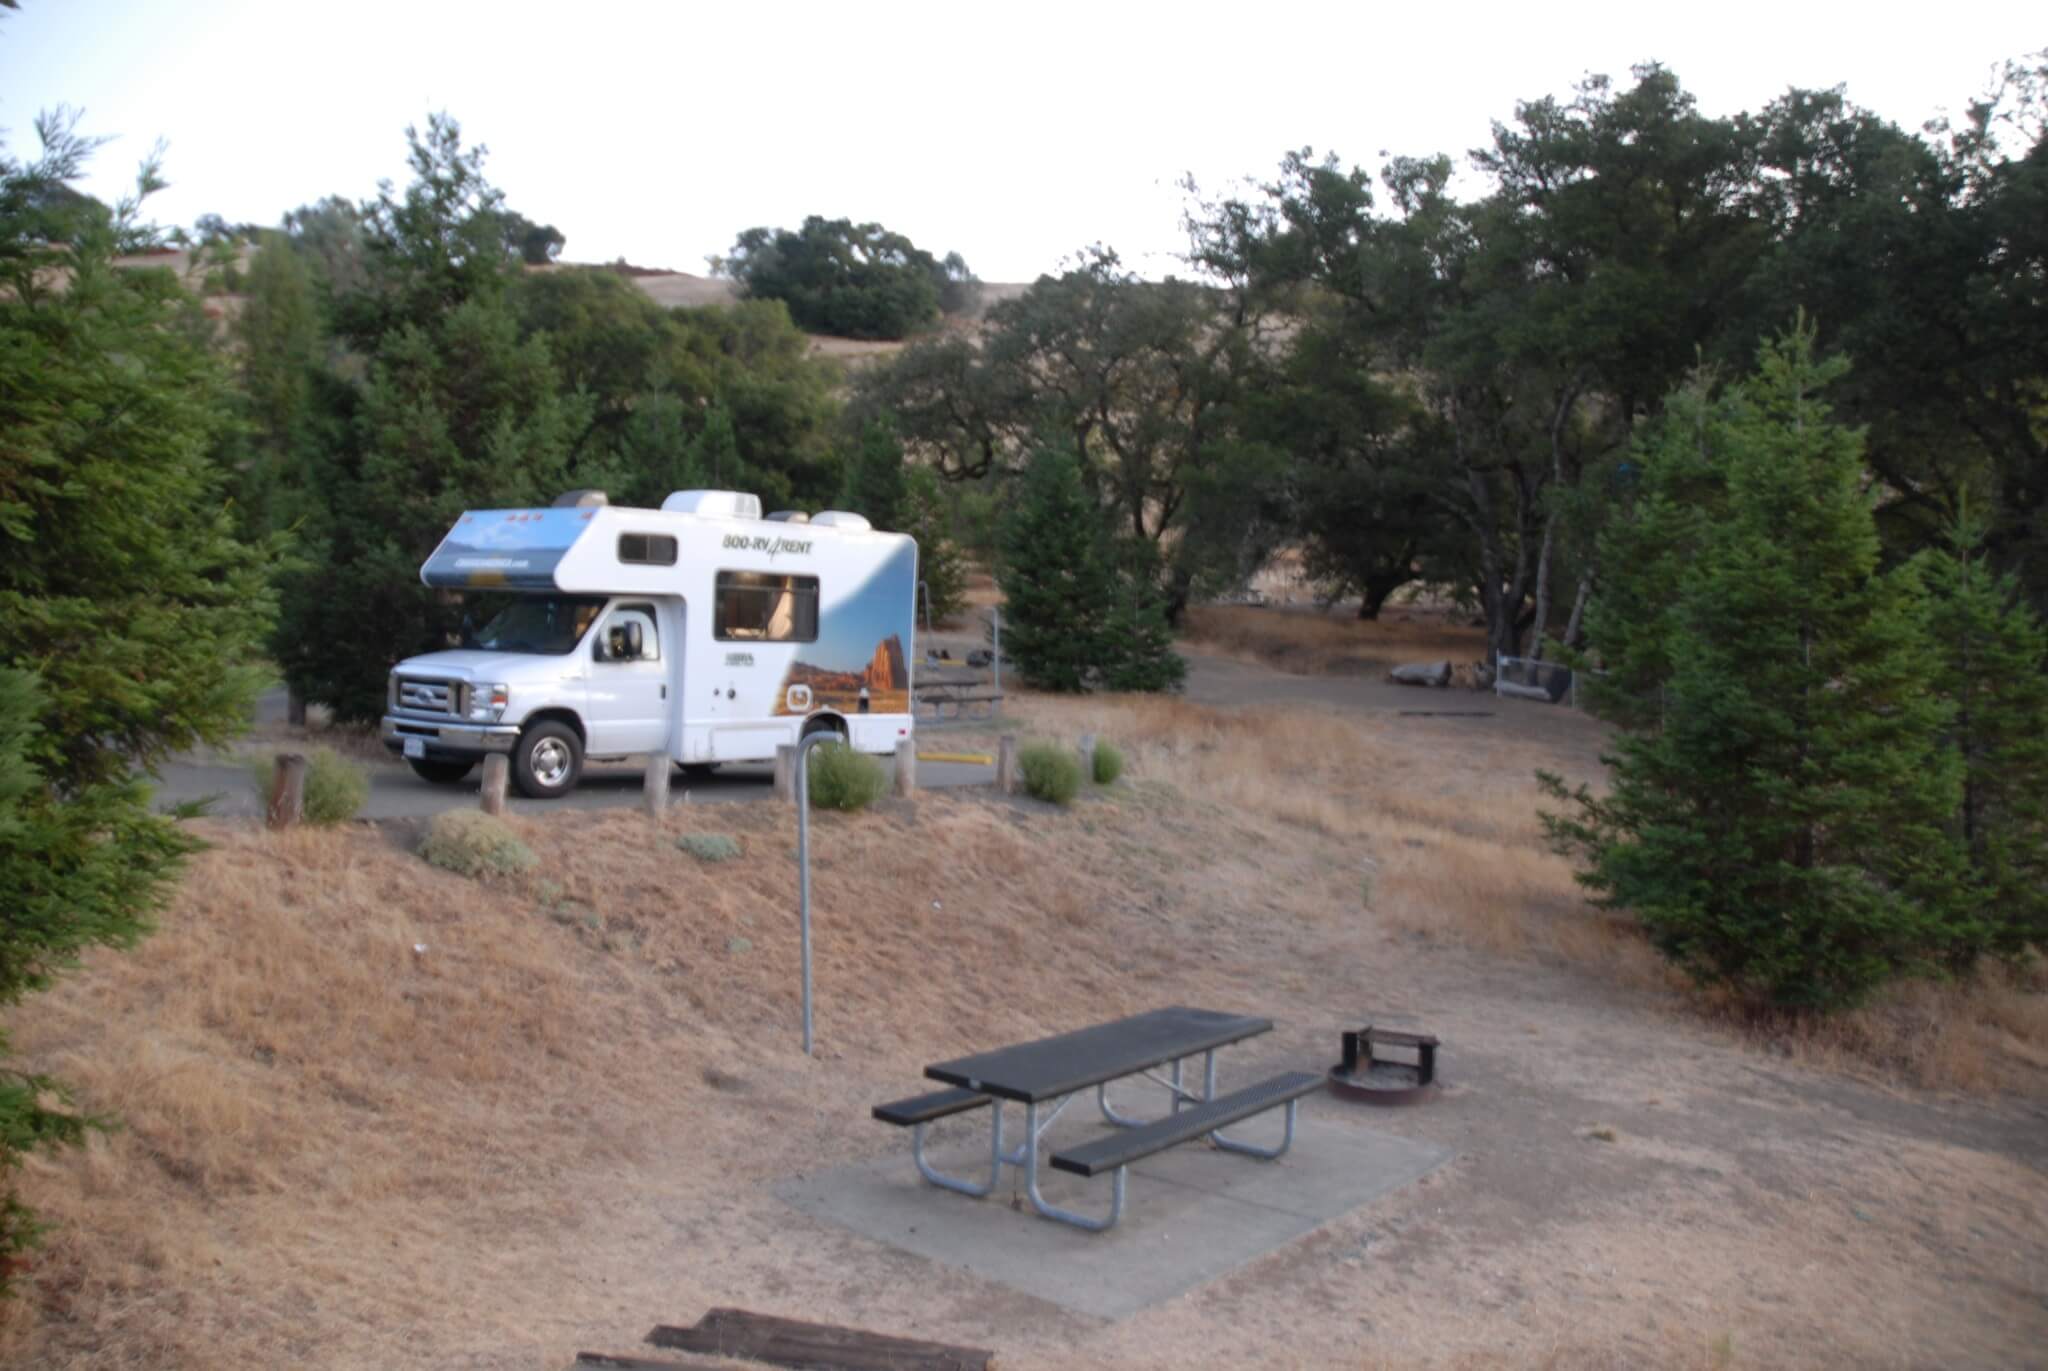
(863, 641)
(513, 548)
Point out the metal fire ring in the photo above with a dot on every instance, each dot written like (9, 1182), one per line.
(1366, 1077)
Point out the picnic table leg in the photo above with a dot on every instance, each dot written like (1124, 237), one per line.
(1126, 1121)
(1253, 1150)
(1053, 1211)
(1232, 1144)
(996, 1158)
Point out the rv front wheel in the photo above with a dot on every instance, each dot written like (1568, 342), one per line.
(547, 761)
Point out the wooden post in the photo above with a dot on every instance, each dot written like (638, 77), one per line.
(785, 772)
(497, 770)
(294, 708)
(1006, 764)
(906, 766)
(287, 791)
(1088, 757)
(656, 783)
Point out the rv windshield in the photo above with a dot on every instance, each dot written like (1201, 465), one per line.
(532, 623)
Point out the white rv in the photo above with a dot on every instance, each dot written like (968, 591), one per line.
(699, 630)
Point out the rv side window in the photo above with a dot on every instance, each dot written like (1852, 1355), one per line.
(647, 549)
(759, 606)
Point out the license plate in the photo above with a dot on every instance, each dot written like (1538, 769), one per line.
(416, 748)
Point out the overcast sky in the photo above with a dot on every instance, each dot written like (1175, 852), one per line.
(1013, 134)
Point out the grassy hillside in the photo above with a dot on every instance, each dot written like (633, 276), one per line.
(378, 1115)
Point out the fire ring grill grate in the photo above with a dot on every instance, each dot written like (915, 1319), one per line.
(1368, 1077)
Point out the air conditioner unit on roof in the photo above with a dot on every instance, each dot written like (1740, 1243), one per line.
(729, 504)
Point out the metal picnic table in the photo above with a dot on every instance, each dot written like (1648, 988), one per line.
(1056, 1069)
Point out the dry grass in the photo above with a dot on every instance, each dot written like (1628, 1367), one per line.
(1334, 643)
(1441, 838)
(1988, 1032)
(379, 1115)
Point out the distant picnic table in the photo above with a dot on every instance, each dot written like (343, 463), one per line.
(1056, 1069)
(940, 686)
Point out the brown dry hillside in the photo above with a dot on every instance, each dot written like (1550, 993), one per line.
(381, 1116)
(669, 289)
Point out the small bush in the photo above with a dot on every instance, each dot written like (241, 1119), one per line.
(841, 778)
(470, 842)
(1050, 772)
(710, 847)
(336, 788)
(1109, 763)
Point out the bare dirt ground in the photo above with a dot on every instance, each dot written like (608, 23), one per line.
(379, 1116)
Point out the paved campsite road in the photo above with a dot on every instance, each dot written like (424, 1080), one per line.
(395, 793)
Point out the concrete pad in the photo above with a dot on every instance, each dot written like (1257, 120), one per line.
(1191, 1214)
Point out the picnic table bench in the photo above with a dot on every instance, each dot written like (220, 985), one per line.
(936, 687)
(1052, 1071)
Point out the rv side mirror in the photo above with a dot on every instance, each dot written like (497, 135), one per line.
(629, 642)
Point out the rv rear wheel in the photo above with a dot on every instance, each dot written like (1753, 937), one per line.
(547, 761)
(440, 773)
(824, 723)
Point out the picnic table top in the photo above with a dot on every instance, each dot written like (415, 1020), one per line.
(949, 674)
(1067, 1062)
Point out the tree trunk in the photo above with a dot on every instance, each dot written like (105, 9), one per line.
(1376, 590)
(1577, 621)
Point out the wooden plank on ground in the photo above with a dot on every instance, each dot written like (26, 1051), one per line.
(628, 1363)
(814, 1346)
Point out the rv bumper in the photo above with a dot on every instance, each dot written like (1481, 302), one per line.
(448, 740)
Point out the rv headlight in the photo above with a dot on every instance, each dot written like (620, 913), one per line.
(487, 705)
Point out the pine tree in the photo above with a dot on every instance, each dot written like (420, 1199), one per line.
(940, 566)
(1137, 643)
(1783, 831)
(1080, 611)
(458, 409)
(1995, 677)
(1057, 584)
(129, 614)
(875, 477)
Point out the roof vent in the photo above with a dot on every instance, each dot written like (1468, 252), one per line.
(725, 504)
(789, 516)
(581, 499)
(839, 518)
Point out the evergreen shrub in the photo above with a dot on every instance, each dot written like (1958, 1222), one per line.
(1050, 772)
(470, 842)
(710, 847)
(841, 778)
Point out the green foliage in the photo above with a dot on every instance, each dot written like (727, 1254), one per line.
(940, 564)
(1109, 763)
(1081, 612)
(129, 614)
(534, 244)
(854, 280)
(470, 842)
(455, 410)
(877, 484)
(1782, 831)
(1057, 584)
(687, 397)
(1051, 773)
(1994, 677)
(336, 788)
(841, 778)
(710, 847)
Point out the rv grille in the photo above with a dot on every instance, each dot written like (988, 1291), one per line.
(432, 697)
